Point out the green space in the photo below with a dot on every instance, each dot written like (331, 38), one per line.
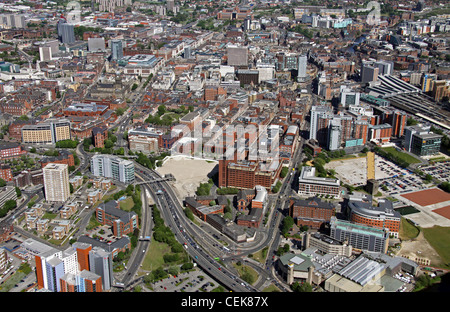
(204, 189)
(439, 239)
(261, 255)
(247, 273)
(21, 273)
(154, 257)
(400, 158)
(408, 230)
(407, 210)
(165, 252)
(127, 204)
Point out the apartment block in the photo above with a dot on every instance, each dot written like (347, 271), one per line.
(56, 182)
(112, 167)
(47, 132)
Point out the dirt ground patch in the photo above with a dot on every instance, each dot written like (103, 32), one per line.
(188, 173)
(419, 248)
(428, 197)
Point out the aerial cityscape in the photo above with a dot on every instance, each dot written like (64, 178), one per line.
(245, 146)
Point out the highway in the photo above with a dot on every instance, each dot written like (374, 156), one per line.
(185, 233)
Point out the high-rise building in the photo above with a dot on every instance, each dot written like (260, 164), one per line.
(116, 49)
(45, 54)
(12, 21)
(317, 112)
(56, 182)
(369, 72)
(112, 167)
(66, 32)
(100, 263)
(334, 134)
(83, 250)
(384, 67)
(64, 271)
(302, 65)
(52, 265)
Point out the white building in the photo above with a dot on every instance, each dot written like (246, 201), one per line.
(56, 182)
(112, 167)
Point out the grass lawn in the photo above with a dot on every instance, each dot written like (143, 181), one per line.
(404, 156)
(13, 280)
(154, 256)
(439, 239)
(271, 288)
(245, 269)
(261, 255)
(407, 230)
(127, 204)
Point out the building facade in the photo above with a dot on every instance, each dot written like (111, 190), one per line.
(310, 185)
(112, 167)
(56, 182)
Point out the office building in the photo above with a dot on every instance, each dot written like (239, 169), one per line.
(142, 143)
(56, 182)
(47, 132)
(326, 245)
(369, 72)
(384, 67)
(122, 222)
(112, 167)
(348, 97)
(421, 141)
(313, 212)
(116, 49)
(362, 210)
(360, 236)
(310, 185)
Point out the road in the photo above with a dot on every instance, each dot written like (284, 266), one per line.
(185, 233)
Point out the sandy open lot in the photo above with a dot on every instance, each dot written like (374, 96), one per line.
(188, 172)
(419, 248)
(353, 171)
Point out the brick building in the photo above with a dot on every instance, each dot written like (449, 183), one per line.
(99, 136)
(122, 222)
(312, 212)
